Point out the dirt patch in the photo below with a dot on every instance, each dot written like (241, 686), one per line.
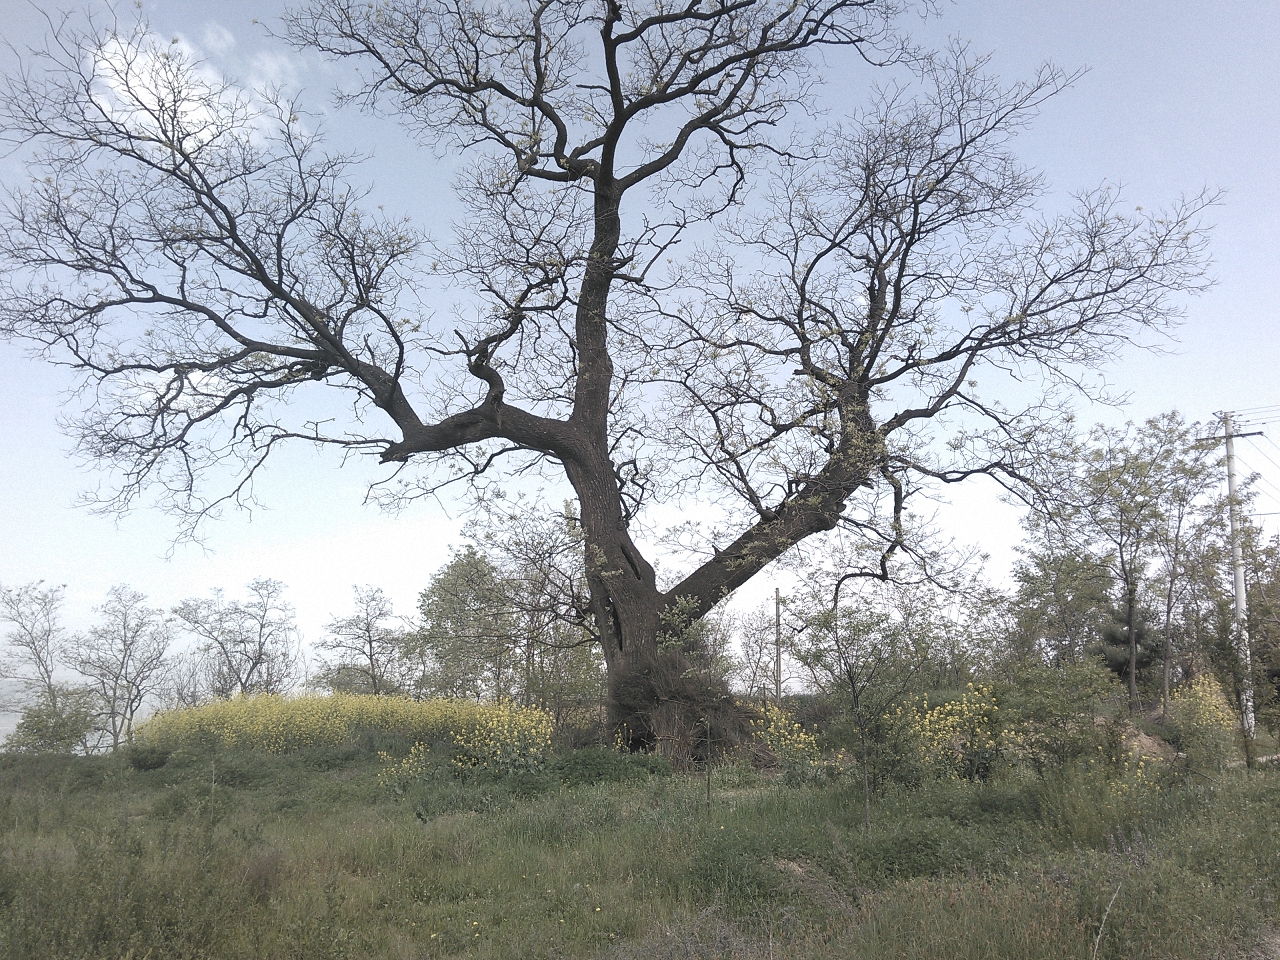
(1144, 745)
(1268, 947)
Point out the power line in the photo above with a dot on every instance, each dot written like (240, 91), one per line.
(1264, 422)
(1272, 443)
(1262, 453)
(1257, 475)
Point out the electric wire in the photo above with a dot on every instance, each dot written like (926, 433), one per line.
(1250, 424)
(1271, 443)
(1262, 453)
(1262, 479)
(1257, 474)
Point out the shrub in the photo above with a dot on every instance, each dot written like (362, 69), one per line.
(1203, 723)
(1050, 714)
(505, 739)
(789, 743)
(737, 774)
(795, 751)
(54, 726)
(960, 738)
(601, 765)
(146, 757)
(502, 739)
(1089, 803)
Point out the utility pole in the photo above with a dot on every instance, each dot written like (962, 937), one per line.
(1241, 629)
(777, 646)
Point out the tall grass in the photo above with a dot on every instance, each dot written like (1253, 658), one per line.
(238, 854)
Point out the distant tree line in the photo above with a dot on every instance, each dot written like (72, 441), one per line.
(1125, 569)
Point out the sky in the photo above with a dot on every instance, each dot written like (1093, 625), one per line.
(1175, 97)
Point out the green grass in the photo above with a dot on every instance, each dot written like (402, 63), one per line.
(230, 855)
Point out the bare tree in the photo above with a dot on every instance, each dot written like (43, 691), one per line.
(123, 659)
(37, 642)
(755, 671)
(56, 716)
(251, 647)
(188, 681)
(366, 645)
(539, 557)
(189, 247)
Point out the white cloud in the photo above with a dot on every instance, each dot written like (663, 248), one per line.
(217, 39)
(275, 69)
(142, 79)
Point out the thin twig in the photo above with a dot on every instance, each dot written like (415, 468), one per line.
(1103, 925)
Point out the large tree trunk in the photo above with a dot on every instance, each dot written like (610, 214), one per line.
(661, 694)
(658, 699)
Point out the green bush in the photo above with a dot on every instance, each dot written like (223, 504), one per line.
(1051, 714)
(142, 757)
(60, 725)
(1085, 804)
(601, 765)
(737, 773)
(961, 737)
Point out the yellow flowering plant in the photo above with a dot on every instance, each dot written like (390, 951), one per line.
(281, 724)
(1203, 704)
(506, 739)
(960, 738)
(1203, 722)
(503, 739)
(793, 747)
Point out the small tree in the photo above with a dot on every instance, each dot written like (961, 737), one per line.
(463, 647)
(36, 642)
(366, 646)
(61, 723)
(861, 655)
(123, 659)
(757, 632)
(1059, 607)
(509, 615)
(250, 647)
(1264, 626)
(1110, 498)
(1192, 520)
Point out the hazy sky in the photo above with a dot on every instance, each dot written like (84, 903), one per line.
(1178, 96)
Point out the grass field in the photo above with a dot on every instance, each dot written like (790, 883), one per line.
(219, 853)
